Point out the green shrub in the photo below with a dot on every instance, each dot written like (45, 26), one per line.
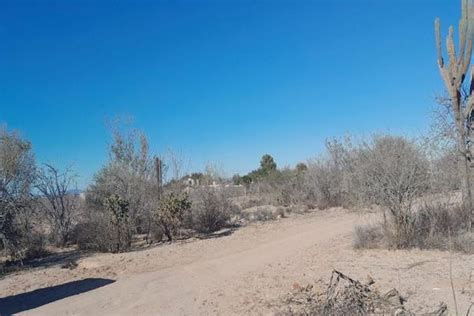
(119, 215)
(171, 213)
(107, 229)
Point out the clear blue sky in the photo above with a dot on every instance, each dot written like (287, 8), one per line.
(221, 81)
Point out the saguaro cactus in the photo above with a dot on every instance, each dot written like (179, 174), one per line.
(454, 74)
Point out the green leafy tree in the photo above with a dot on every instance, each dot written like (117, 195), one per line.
(267, 168)
(236, 179)
(267, 165)
(129, 173)
(17, 173)
(247, 180)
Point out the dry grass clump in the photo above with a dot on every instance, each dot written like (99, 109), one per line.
(464, 242)
(367, 236)
(248, 202)
(346, 296)
(37, 247)
(264, 213)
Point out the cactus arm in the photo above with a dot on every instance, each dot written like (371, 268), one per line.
(438, 43)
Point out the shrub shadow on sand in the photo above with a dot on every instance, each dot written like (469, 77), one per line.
(30, 300)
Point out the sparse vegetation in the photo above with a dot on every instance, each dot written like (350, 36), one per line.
(118, 211)
(344, 295)
(461, 100)
(417, 193)
(126, 197)
(170, 213)
(59, 206)
(435, 226)
(17, 168)
(211, 211)
(368, 236)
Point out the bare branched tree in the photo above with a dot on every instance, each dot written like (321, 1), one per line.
(461, 101)
(392, 172)
(176, 166)
(58, 204)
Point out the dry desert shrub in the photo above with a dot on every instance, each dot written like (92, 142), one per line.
(346, 296)
(435, 226)
(95, 232)
(265, 213)
(211, 211)
(368, 236)
(59, 207)
(17, 171)
(171, 212)
(36, 247)
(252, 202)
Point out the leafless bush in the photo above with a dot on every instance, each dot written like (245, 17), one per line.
(392, 172)
(211, 211)
(435, 226)
(368, 236)
(252, 202)
(441, 226)
(346, 296)
(156, 233)
(104, 228)
(59, 206)
(95, 232)
(285, 187)
(291, 188)
(445, 172)
(328, 178)
(36, 247)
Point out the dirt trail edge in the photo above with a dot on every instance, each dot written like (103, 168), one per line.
(186, 287)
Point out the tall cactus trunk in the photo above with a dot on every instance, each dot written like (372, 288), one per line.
(465, 164)
(454, 73)
(466, 184)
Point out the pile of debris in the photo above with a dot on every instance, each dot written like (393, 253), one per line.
(346, 296)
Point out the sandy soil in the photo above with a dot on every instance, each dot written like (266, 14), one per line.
(246, 272)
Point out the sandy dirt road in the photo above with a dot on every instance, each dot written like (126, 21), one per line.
(244, 273)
